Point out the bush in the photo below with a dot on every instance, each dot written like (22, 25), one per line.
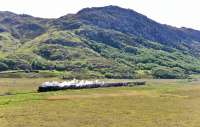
(53, 52)
(10, 63)
(15, 64)
(3, 67)
(39, 64)
(168, 73)
(130, 49)
(109, 75)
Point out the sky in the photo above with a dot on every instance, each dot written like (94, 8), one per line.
(179, 13)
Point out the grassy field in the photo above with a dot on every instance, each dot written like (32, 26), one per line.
(161, 103)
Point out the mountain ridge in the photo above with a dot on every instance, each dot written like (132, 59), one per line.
(110, 42)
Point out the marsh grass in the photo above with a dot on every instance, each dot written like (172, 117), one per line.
(161, 103)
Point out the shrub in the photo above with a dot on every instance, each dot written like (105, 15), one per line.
(130, 49)
(168, 73)
(15, 64)
(39, 64)
(53, 52)
(3, 67)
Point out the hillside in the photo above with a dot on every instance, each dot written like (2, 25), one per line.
(109, 42)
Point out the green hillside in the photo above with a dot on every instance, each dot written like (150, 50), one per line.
(106, 42)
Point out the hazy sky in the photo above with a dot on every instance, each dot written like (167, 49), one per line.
(173, 12)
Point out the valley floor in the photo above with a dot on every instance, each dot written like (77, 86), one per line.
(161, 103)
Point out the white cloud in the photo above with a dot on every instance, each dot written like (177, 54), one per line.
(173, 12)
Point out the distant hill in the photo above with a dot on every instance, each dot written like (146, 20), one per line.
(101, 42)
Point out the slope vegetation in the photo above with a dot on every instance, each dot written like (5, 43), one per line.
(109, 42)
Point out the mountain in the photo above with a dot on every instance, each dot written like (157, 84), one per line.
(109, 42)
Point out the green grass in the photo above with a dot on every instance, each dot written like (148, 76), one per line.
(161, 103)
